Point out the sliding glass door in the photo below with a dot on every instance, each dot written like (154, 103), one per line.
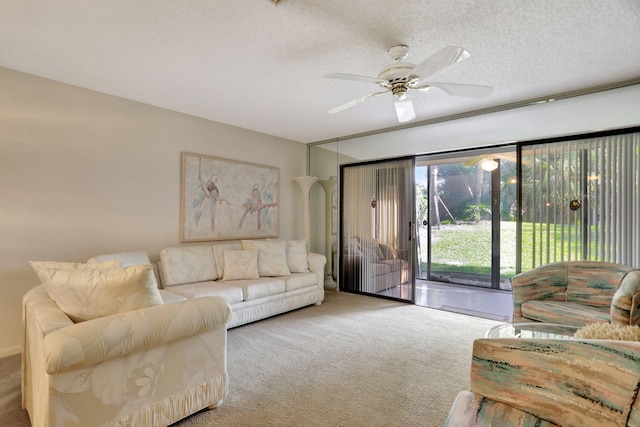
(466, 217)
(478, 217)
(376, 232)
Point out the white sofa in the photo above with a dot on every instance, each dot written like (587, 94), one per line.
(158, 354)
(287, 277)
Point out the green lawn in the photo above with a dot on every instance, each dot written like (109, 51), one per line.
(466, 248)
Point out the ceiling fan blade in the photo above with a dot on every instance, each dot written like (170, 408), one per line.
(354, 102)
(439, 60)
(459, 89)
(404, 107)
(344, 76)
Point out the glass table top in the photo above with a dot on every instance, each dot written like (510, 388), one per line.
(532, 330)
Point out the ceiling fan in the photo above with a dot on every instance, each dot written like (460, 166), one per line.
(401, 77)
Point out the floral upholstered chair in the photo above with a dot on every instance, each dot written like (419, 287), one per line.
(577, 293)
(102, 349)
(542, 383)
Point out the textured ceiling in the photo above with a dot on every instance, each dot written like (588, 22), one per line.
(257, 65)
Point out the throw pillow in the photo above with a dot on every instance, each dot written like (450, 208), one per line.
(240, 265)
(370, 249)
(272, 256)
(128, 259)
(86, 293)
(188, 264)
(37, 265)
(387, 252)
(218, 254)
(353, 247)
(297, 256)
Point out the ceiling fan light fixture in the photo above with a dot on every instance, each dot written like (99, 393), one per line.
(404, 107)
(489, 165)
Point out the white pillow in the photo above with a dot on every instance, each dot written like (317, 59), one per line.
(218, 254)
(188, 264)
(240, 265)
(85, 292)
(272, 256)
(297, 256)
(127, 258)
(37, 265)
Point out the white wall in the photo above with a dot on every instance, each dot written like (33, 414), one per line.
(82, 173)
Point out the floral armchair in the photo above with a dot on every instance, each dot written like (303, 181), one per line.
(151, 366)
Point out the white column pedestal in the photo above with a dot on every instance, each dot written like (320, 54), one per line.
(329, 185)
(305, 183)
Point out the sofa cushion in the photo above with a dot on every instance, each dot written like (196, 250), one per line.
(272, 256)
(128, 259)
(388, 252)
(395, 264)
(240, 265)
(259, 288)
(86, 293)
(38, 265)
(378, 269)
(566, 313)
(353, 247)
(218, 254)
(593, 283)
(371, 249)
(299, 280)
(187, 264)
(297, 257)
(233, 294)
(169, 297)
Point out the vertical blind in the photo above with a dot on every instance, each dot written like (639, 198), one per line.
(581, 201)
(377, 205)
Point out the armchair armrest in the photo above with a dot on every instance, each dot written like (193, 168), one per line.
(625, 305)
(566, 382)
(90, 342)
(547, 282)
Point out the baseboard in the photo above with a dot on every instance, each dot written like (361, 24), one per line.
(10, 351)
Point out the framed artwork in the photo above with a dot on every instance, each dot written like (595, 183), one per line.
(223, 199)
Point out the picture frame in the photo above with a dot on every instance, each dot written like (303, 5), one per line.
(224, 199)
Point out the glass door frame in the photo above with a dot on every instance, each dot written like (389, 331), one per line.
(495, 186)
(342, 246)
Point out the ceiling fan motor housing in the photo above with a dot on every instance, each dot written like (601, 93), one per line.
(396, 72)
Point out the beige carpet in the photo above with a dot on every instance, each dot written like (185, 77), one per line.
(353, 361)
